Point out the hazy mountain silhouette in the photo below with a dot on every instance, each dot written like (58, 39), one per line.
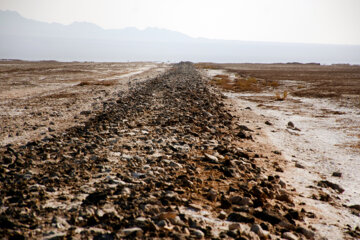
(11, 23)
(22, 38)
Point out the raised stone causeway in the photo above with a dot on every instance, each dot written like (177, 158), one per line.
(164, 160)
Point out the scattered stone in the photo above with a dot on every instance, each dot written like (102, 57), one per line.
(211, 158)
(244, 135)
(269, 216)
(198, 233)
(126, 191)
(175, 165)
(146, 165)
(105, 236)
(277, 152)
(289, 236)
(356, 206)
(282, 184)
(60, 223)
(134, 231)
(298, 165)
(240, 217)
(284, 197)
(337, 174)
(225, 204)
(6, 223)
(162, 223)
(256, 228)
(141, 221)
(95, 198)
(167, 215)
(268, 123)
(279, 169)
(195, 207)
(222, 215)
(54, 236)
(212, 195)
(291, 126)
(328, 184)
(245, 201)
(324, 196)
(244, 128)
(86, 113)
(307, 233)
(354, 233)
(234, 226)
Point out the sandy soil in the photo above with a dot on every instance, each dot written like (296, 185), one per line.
(42, 98)
(321, 142)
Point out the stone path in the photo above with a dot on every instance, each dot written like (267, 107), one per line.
(162, 161)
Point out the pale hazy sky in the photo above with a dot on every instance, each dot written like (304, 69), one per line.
(308, 21)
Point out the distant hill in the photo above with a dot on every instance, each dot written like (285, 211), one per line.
(11, 23)
(22, 38)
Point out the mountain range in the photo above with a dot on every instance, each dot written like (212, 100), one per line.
(27, 39)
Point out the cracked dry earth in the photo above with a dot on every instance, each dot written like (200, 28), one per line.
(166, 159)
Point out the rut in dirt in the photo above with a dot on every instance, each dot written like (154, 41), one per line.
(166, 145)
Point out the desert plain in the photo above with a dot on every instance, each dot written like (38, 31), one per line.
(153, 150)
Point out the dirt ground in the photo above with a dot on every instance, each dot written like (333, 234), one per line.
(150, 166)
(306, 80)
(326, 84)
(309, 138)
(311, 115)
(38, 99)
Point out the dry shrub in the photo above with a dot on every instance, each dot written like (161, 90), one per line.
(248, 84)
(355, 146)
(316, 93)
(223, 81)
(221, 76)
(106, 83)
(206, 66)
(61, 95)
(84, 83)
(278, 96)
(273, 84)
(112, 74)
(238, 84)
(300, 86)
(285, 94)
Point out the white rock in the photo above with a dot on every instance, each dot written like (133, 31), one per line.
(198, 233)
(60, 223)
(256, 228)
(211, 158)
(289, 236)
(175, 165)
(126, 191)
(128, 231)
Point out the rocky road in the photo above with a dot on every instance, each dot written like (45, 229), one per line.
(164, 160)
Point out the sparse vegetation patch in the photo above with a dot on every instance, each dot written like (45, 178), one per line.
(98, 83)
(280, 97)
